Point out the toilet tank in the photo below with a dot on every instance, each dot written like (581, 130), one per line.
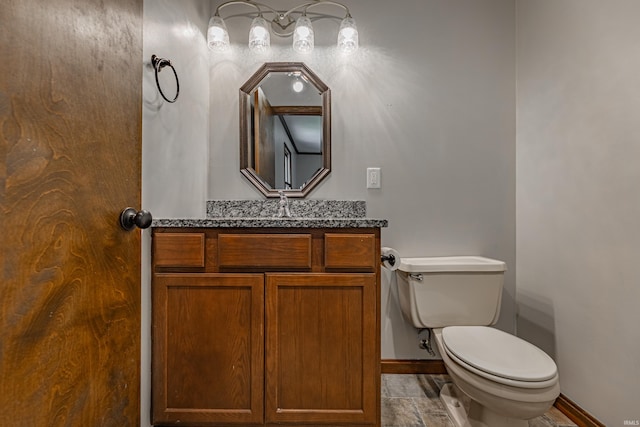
(436, 292)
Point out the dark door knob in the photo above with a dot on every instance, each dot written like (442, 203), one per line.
(130, 218)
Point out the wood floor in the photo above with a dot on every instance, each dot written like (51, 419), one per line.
(412, 401)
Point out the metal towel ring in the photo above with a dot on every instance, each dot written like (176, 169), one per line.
(158, 65)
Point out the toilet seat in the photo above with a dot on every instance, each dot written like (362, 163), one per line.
(499, 356)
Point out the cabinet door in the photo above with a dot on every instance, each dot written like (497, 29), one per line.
(322, 351)
(208, 349)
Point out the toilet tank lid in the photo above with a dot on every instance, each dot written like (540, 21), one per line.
(450, 264)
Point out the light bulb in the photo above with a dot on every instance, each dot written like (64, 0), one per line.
(348, 35)
(259, 36)
(303, 35)
(298, 86)
(217, 35)
(303, 32)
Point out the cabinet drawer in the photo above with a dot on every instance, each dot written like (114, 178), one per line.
(350, 251)
(264, 251)
(178, 249)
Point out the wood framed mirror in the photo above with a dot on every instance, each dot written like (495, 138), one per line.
(285, 129)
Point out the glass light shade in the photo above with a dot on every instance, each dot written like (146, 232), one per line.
(348, 35)
(303, 35)
(259, 37)
(217, 34)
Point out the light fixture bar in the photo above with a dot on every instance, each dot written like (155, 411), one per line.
(320, 2)
(281, 22)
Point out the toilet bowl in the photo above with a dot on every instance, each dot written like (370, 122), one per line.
(507, 379)
(500, 395)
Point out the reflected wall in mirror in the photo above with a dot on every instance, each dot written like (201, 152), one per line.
(285, 129)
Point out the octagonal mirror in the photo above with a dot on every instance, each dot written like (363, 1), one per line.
(285, 129)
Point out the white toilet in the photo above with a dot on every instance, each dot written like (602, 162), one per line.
(507, 379)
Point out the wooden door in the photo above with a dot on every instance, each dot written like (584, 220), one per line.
(322, 357)
(208, 349)
(70, 123)
(265, 145)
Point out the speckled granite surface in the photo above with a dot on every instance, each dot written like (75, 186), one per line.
(262, 214)
(272, 223)
(300, 208)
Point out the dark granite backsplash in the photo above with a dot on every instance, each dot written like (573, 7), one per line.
(300, 208)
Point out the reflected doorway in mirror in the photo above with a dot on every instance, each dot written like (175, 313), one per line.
(285, 129)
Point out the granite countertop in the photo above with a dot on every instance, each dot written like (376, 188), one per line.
(263, 214)
(271, 223)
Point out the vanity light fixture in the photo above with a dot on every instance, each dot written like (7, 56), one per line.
(348, 35)
(259, 36)
(282, 24)
(303, 34)
(217, 34)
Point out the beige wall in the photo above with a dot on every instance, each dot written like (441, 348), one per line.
(578, 196)
(175, 137)
(430, 99)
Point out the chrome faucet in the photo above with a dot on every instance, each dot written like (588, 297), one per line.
(283, 210)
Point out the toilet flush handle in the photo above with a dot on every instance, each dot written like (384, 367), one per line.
(415, 276)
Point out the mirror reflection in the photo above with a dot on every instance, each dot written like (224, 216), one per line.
(285, 129)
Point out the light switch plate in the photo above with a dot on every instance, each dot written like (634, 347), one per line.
(373, 177)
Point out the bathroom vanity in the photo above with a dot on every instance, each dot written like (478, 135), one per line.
(266, 321)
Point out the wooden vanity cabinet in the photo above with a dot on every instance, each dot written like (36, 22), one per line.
(266, 327)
